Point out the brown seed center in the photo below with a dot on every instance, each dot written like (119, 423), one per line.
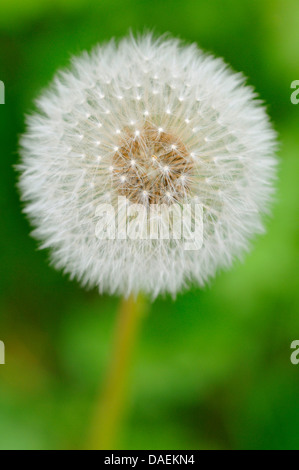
(152, 167)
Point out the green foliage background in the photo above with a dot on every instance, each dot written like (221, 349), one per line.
(212, 370)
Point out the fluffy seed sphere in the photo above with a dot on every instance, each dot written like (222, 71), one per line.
(154, 121)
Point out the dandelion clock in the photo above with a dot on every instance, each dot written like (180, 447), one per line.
(147, 166)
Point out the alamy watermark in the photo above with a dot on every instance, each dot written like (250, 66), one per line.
(295, 355)
(2, 93)
(127, 221)
(295, 94)
(2, 353)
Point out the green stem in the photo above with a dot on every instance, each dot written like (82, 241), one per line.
(109, 412)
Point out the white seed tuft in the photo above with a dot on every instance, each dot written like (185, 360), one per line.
(145, 92)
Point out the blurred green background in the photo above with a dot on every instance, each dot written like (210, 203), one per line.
(212, 369)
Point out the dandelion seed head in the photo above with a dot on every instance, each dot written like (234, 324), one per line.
(155, 121)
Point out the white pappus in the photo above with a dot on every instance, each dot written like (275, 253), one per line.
(155, 121)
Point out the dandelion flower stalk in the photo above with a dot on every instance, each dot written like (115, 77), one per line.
(111, 407)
